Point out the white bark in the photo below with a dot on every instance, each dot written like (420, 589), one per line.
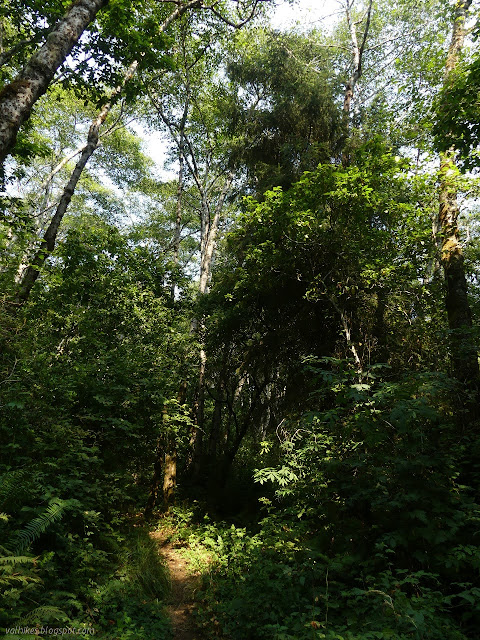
(48, 243)
(208, 242)
(357, 52)
(18, 98)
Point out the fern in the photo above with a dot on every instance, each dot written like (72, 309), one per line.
(7, 582)
(13, 560)
(39, 525)
(9, 574)
(41, 614)
(13, 485)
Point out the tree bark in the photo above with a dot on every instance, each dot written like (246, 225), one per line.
(178, 218)
(464, 350)
(48, 243)
(210, 229)
(208, 240)
(379, 328)
(18, 98)
(209, 222)
(169, 477)
(165, 464)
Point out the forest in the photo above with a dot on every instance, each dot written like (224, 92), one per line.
(239, 304)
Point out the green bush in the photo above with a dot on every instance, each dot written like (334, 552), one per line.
(373, 530)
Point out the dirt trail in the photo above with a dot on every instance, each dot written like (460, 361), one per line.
(180, 603)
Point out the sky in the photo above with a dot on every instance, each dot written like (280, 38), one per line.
(305, 13)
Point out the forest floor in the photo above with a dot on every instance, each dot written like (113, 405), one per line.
(184, 581)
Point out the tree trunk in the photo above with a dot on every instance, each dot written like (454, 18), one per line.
(209, 234)
(48, 243)
(178, 218)
(18, 98)
(215, 430)
(179, 209)
(379, 328)
(169, 477)
(357, 58)
(155, 483)
(464, 350)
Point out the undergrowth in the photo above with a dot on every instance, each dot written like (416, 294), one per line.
(276, 583)
(111, 583)
(369, 528)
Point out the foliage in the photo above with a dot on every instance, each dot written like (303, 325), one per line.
(97, 298)
(357, 543)
(328, 462)
(281, 100)
(458, 116)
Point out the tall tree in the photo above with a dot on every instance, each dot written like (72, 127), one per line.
(357, 49)
(464, 349)
(189, 107)
(282, 115)
(48, 244)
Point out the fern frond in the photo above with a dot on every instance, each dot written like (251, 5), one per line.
(14, 560)
(9, 581)
(13, 485)
(37, 526)
(43, 614)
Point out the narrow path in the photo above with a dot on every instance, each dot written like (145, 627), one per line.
(180, 603)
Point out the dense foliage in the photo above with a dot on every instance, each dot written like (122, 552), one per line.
(277, 332)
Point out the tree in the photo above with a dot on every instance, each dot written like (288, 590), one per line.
(18, 97)
(48, 244)
(464, 349)
(281, 100)
(192, 115)
(358, 49)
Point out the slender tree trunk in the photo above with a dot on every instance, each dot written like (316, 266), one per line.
(357, 59)
(357, 65)
(178, 218)
(379, 328)
(18, 98)
(170, 477)
(344, 319)
(464, 350)
(210, 230)
(156, 479)
(209, 222)
(49, 239)
(48, 243)
(170, 472)
(165, 464)
(216, 426)
(179, 208)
